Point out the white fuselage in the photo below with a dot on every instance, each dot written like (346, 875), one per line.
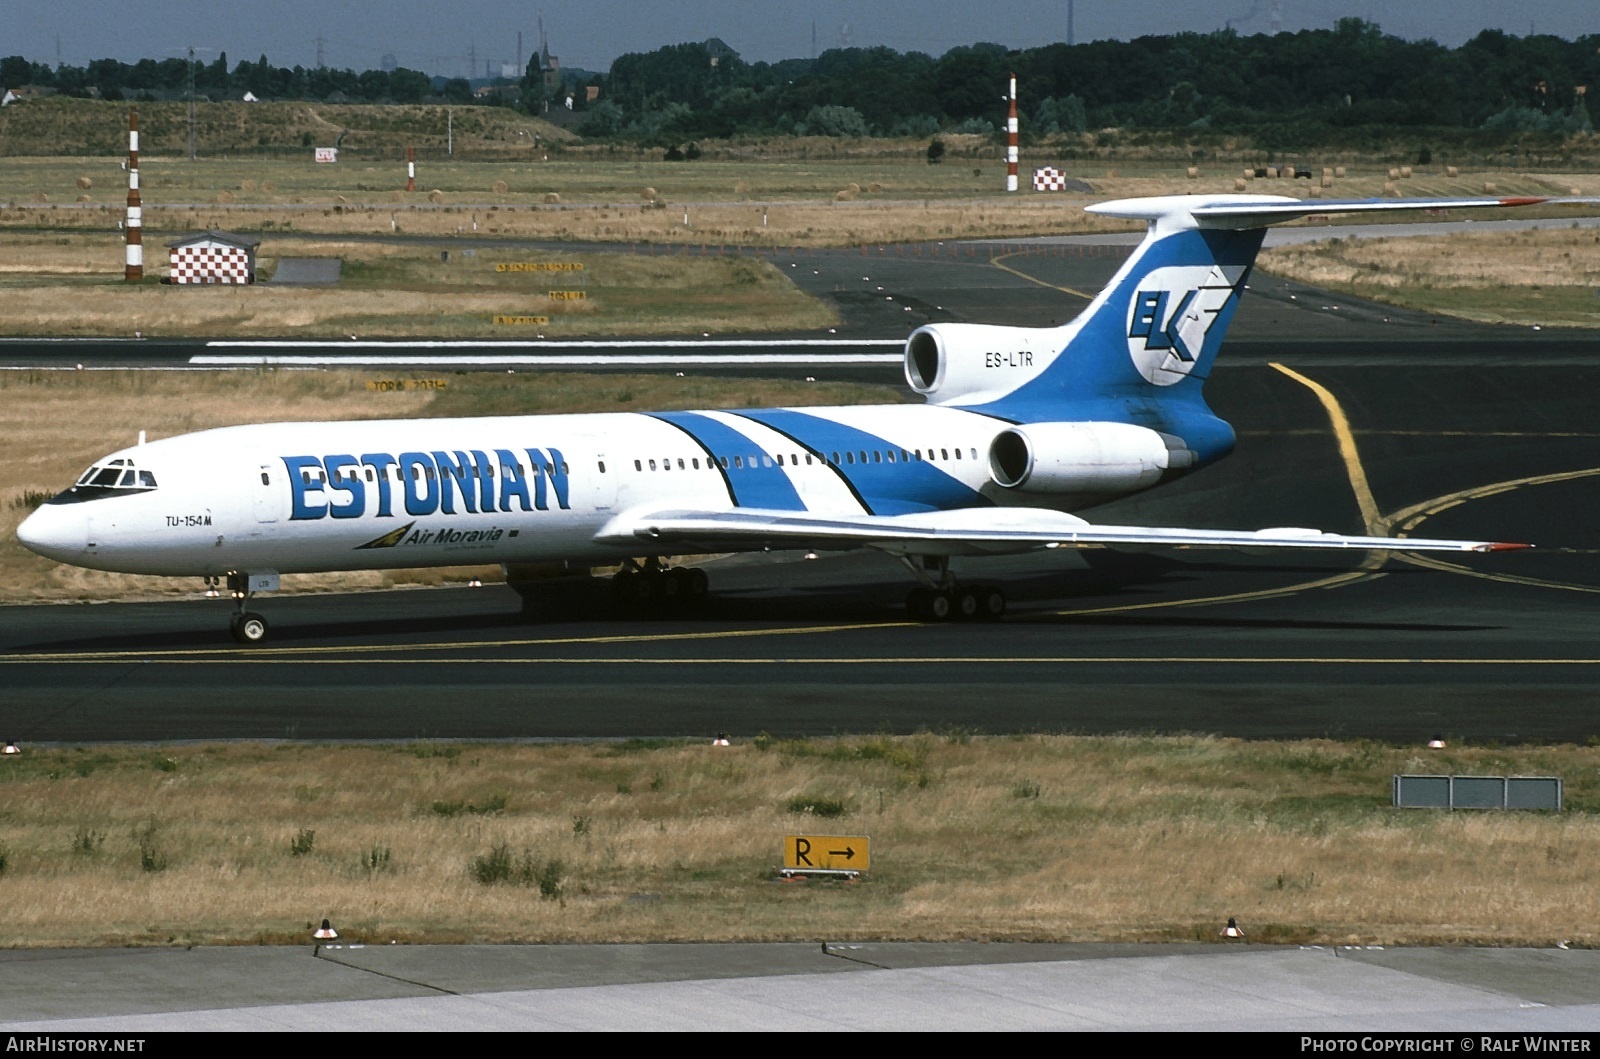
(309, 497)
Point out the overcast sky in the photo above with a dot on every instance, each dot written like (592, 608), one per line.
(439, 35)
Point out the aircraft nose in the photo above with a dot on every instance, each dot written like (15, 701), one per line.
(55, 532)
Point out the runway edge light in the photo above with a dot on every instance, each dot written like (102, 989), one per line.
(325, 932)
(1436, 743)
(11, 748)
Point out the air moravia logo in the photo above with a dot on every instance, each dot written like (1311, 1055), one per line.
(388, 540)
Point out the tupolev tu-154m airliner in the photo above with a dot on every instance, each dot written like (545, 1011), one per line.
(1022, 427)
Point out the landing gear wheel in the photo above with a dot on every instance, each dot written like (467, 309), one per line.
(941, 605)
(968, 604)
(248, 628)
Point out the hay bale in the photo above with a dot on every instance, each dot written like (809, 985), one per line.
(267, 185)
(1327, 181)
(1451, 171)
(741, 187)
(247, 185)
(1272, 172)
(1394, 174)
(500, 187)
(1338, 171)
(84, 198)
(1405, 172)
(224, 196)
(1489, 188)
(1316, 192)
(397, 196)
(648, 194)
(1193, 172)
(1327, 172)
(1239, 184)
(551, 198)
(854, 189)
(436, 196)
(843, 195)
(1390, 190)
(84, 183)
(874, 187)
(39, 196)
(1249, 173)
(341, 200)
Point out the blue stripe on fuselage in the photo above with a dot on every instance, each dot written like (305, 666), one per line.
(753, 478)
(899, 488)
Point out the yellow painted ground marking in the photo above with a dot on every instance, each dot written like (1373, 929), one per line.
(226, 654)
(996, 262)
(1370, 516)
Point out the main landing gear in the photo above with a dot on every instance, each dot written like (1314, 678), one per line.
(942, 599)
(248, 627)
(650, 589)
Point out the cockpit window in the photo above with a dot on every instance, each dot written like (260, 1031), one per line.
(113, 478)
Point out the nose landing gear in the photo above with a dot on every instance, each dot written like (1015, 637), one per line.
(246, 626)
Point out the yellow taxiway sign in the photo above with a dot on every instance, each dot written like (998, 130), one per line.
(826, 852)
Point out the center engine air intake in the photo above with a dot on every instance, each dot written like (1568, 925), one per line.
(1082, 458)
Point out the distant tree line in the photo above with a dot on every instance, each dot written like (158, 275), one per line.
(1314, 85)
(1310, 85)
(148, 78)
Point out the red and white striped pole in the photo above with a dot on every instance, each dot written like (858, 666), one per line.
(411, 169)
(1011, 139)
(134, 226)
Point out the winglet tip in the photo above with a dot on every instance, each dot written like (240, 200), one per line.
(1504, 546)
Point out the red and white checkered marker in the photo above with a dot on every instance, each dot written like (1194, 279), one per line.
(1049, 178)
(721, 740)
(11, 748)
(1232, 929)
(210, 264)
(326, 932)
(1436, 743)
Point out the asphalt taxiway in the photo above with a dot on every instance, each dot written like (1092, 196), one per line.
(1351, 417)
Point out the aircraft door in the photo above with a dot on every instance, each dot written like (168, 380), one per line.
(603, 494)
(268, 493)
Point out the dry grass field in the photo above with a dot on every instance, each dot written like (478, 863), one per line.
(43, 417)
(67, 284)
(750, 201)
(1546, 277)
(1023, 838)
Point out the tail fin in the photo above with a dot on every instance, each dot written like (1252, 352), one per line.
(1155, 330)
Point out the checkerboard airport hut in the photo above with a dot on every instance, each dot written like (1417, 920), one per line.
(213, 257)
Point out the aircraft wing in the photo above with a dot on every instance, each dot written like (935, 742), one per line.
(970, 531)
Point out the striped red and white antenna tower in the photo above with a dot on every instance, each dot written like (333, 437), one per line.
(134, 225)
(1011, 138)
(411, 169)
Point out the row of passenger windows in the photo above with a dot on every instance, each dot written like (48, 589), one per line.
(794, 459)
(421, 472)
